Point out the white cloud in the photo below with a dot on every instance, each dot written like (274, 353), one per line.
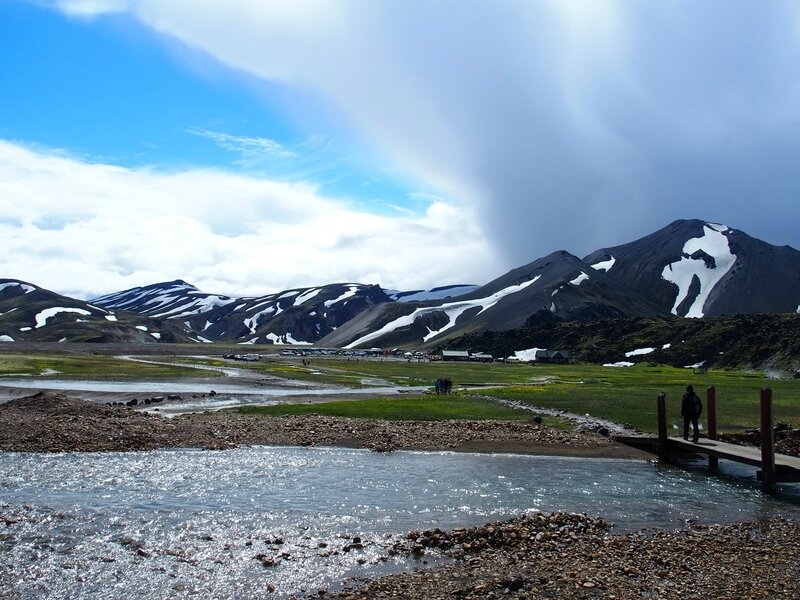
(110, 228)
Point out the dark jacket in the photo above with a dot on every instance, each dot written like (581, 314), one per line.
(691, 406)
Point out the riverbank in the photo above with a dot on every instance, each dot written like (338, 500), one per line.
(573, 556)
(52, 422)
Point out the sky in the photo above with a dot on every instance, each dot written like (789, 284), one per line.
(252, 146)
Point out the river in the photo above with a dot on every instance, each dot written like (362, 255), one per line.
(178, 523)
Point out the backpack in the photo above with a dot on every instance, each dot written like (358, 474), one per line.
(697, 405)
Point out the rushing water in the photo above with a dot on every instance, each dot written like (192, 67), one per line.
(176, 523)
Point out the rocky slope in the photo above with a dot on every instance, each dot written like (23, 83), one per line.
(694, 269)
(299, 316)
(33, 314)
(758, 341)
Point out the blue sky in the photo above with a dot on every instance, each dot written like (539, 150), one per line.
(251, 146)
(109, 89)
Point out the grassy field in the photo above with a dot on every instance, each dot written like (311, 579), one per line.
(86, 366)
(406, 408)
(623, 395)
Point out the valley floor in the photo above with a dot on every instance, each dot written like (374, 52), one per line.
(53, 422)
(534, 556)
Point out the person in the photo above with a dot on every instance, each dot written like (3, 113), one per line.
(691, 407)
(438, 386)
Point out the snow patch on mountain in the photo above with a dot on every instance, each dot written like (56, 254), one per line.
(452, 309)
(528, 355)
(682, 273)
(252, 322)
(41, 318)
(441, 293)
(622, 363)
(6, 338)
(351, 291)
(579, 279)
(194, 307)
(25, 288)
(111, 318)
(141, 327)
(307, 295)
(639, 352)
(604, 265)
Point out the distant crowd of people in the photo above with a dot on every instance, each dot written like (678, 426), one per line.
(443, 386)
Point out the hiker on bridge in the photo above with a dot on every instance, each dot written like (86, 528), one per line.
(691, 407)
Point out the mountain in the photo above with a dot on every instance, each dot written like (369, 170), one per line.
(736, 341)
(557, 286)
(693, 268)
(300, 316)
(30, 313)
(689, 268)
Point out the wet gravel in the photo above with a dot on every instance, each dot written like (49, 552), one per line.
(52, 422)
(575, 556)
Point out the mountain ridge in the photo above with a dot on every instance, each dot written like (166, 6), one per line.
(690, 268)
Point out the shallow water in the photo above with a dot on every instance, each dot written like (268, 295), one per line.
(226, 395)
(202, 517)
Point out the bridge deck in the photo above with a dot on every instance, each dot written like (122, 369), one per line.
(787, 468)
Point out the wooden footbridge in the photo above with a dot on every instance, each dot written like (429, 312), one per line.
(772, 468)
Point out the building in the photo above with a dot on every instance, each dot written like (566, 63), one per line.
(556, 357)
(455, 355)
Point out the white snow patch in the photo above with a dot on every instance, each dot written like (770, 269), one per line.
(695, 365)
(25, 328)
(275, 339)
(288, 294)
(200, 338)
(351, 291)
(188, 307)
(294, 342)
(62, 340)
(579, 279)
(426, 295)
(9, 311)
(111, 318)
(26, 288)
(639, 352)
(552, 307)
(41, 318)
(6, 338)
(666, 346)
(604, 265)
(798, 308)
(452, 309)
(253, 341)
(715, 244)
(207, 325)
(252, 322)
(621, 363)
(527, 355)
(156, 335)
(305, 296)
(141, 327)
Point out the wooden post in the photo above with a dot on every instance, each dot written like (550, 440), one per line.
(662, 425)
(767, 442)
(711, 418)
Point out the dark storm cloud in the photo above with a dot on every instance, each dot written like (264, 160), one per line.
(563, 124)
